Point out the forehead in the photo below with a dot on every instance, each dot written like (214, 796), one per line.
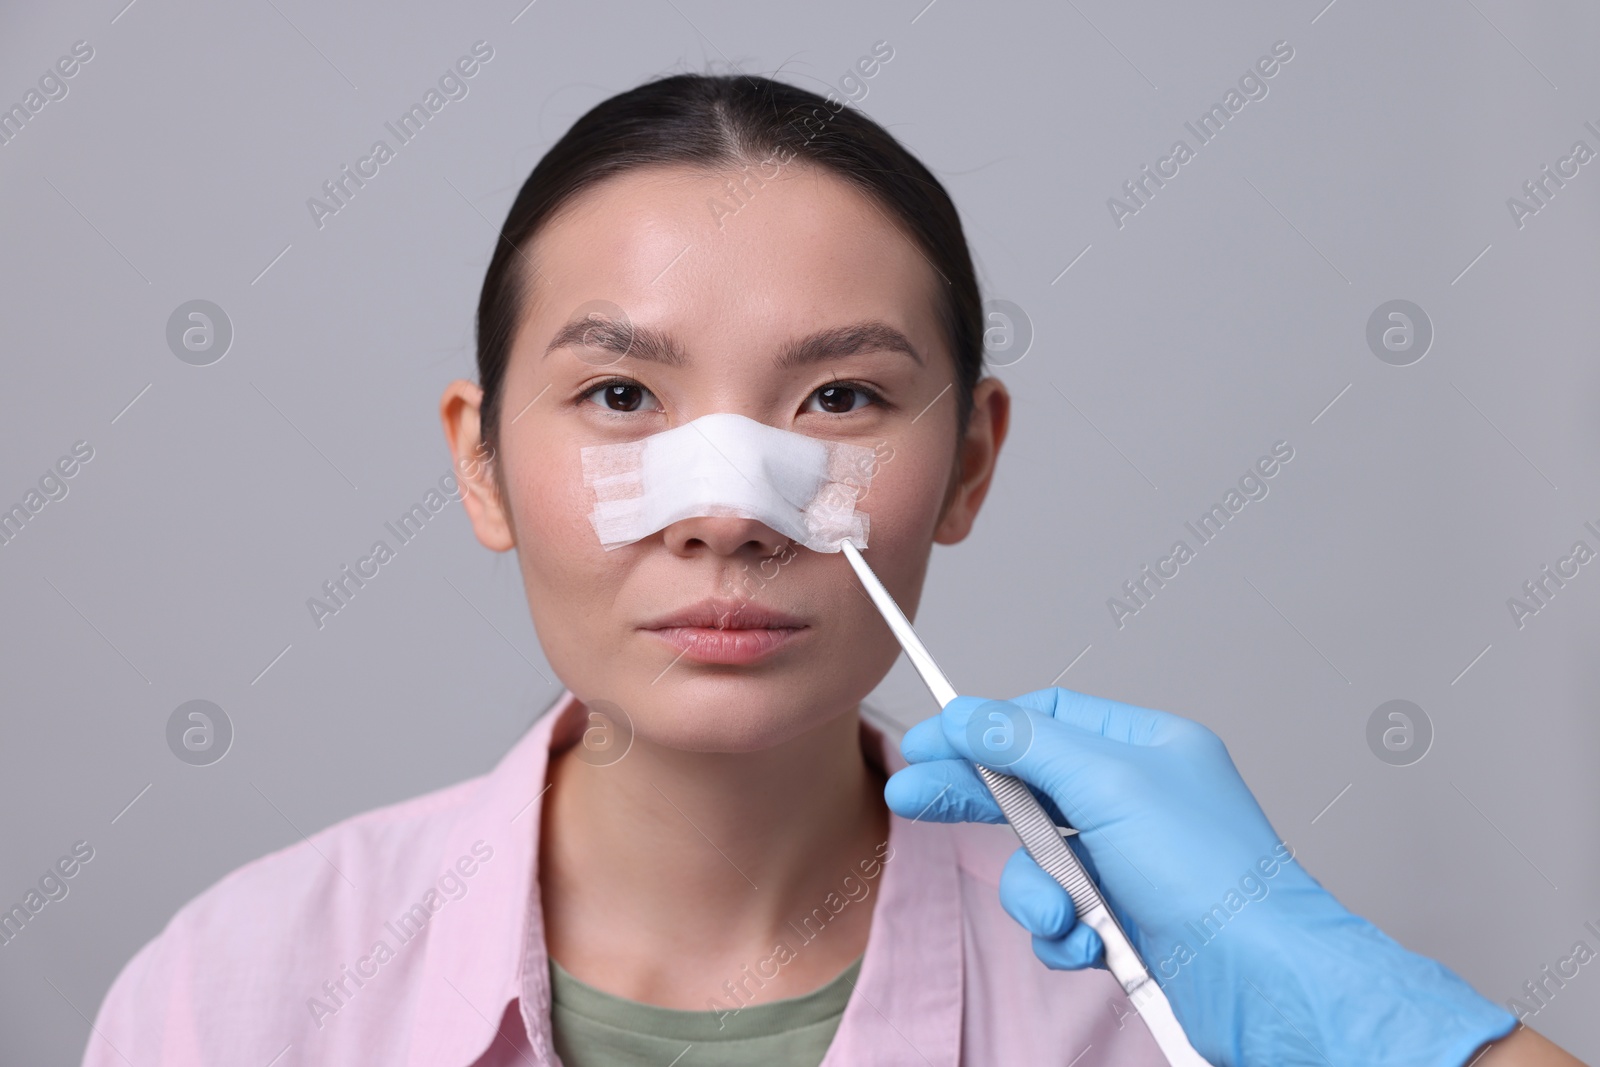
(736, 253)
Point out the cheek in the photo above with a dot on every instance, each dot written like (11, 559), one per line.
(904, 497)
(903, 502)
(566, 575)
(558, 551)
(549, 501)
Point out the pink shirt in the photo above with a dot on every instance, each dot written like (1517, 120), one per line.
(414, 934)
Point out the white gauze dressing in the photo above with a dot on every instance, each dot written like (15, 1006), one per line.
(729, 465)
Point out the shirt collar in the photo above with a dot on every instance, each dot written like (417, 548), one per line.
(476, 947)
(489, 948)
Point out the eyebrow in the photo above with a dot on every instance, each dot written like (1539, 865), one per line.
(847, 341)
(656, 346)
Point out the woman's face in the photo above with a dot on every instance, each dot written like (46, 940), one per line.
(706, 301)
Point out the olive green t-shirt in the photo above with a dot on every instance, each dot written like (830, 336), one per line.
(596, 1029)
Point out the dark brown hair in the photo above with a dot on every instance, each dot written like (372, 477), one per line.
(714, 121)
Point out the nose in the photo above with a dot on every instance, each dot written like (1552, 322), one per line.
(724, 535)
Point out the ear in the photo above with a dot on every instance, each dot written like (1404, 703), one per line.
(975, 460)
(460, 410)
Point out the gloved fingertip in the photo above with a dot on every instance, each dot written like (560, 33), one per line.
(943, 791)
(1084, 944)
(926, 741)
(923, 792)
(955, 717)
(995, 733)
(1034, 899)
(1078, 951)
(905, 792)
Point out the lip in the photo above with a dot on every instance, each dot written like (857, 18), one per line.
(724, 631)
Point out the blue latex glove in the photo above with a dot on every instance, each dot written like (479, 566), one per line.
(1261, 964)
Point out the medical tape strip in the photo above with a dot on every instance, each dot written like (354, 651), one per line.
(729, 465)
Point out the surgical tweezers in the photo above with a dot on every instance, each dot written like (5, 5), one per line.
(1044, 842)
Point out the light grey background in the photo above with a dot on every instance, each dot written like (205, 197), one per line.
(1223, 317)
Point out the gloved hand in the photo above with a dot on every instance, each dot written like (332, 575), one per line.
(1261, 964)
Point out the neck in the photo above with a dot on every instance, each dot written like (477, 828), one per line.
(666, 872)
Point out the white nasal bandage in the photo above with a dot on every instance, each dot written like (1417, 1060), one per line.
(728, 465)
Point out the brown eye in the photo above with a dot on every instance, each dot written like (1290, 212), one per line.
(621, 396)
(839, 399)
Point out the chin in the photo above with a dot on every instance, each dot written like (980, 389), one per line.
(731, 713)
